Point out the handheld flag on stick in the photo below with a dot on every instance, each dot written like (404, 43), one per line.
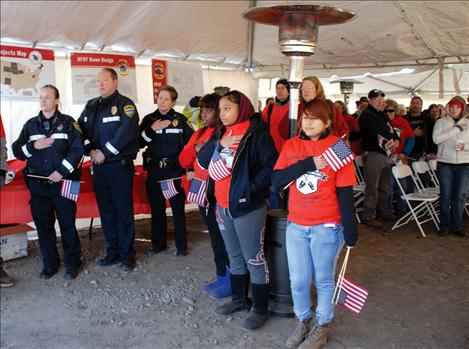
(217, 168)
(338, 155)
(348, 294)
(168, 188)
(70, 189)
(197, 194)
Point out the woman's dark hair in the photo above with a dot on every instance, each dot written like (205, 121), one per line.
(53, 88)
(433, 106)
(233, 97)
(210, 101)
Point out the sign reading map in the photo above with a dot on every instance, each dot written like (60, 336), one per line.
(86, 66)
(158, 72)
(25, 70)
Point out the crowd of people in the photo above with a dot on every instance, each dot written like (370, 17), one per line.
(240, 163)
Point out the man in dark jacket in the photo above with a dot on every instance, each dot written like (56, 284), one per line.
(378, 141)
(110, 135)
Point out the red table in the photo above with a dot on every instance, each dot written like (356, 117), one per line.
(14, 197)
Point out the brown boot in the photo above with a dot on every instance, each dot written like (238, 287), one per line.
(298, 336)
(316, 337)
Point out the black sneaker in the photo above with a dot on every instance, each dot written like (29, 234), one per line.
(126, 267)
(154, 250)
(443, 232)
(71, 273)
(374, 223)
(47, 273)
(460, 233)
(107, 260)
(180, 253)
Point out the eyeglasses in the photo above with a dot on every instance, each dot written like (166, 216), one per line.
(389, 110)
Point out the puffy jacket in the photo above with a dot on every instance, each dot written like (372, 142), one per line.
(62, 156)
(111, 125)
(447, 135)
(252, 167)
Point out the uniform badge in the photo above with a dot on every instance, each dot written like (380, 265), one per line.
(77, 126)
(113, 110)
(129, 110)
(175, 122)
(60, 127)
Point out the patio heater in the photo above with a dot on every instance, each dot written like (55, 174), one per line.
(346, 88)
(298, 34)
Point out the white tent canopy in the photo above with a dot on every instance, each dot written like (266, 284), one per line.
(385, 36)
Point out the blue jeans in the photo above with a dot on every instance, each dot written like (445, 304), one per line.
(394, 193)
(454, 190)
(313, 250)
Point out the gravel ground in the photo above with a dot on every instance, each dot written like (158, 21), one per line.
(418, 298)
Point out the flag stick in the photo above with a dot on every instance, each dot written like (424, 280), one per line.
(44, 177)
(341, 277)
(165, 180)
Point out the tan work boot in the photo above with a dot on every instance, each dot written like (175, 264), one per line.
(299, 334)
(316, 337)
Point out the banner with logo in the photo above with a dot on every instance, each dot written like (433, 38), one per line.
(25, 70)
(159, 74)
(86, 66)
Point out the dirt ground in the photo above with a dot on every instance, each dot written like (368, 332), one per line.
(418, 298)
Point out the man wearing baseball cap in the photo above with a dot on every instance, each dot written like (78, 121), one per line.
(378, 141)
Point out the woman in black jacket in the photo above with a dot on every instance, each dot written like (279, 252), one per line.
(240, 158)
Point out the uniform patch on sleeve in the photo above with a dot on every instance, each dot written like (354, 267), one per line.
(77, 126)
(129, 110)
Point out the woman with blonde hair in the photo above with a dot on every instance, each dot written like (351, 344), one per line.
(310, 89)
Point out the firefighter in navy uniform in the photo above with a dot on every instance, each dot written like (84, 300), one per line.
(110, 135)
(165, 132)
(51, 145)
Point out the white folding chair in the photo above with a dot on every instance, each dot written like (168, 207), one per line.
(422, 168)
(423, 210)
(432, 166)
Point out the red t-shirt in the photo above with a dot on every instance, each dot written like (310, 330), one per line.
(279, 124)
(188, 156)
(222, 187)
(313, 198)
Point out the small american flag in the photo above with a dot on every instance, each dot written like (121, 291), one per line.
(351, 296)
(338, 155)
(168, 189)
(196, 194)
(70, 189)
(217, 168)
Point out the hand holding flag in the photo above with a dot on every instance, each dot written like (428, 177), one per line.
(217, 168)
(348, 294)
(168, 188)
(70, 189)
(197, 194)
(338, 155)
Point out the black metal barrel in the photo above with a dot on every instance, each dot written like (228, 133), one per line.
(281, 302)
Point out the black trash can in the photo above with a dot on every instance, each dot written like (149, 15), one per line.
(281, 302)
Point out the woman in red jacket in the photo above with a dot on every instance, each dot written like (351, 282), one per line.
(198, 193)
(311, 88)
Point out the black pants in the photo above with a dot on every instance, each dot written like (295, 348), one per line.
(218, 245)
(158, 213)
(113, 184)
(47, 203)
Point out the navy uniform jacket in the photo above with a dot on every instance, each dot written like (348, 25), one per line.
(62, 156)
(111, 125)
(166, 143)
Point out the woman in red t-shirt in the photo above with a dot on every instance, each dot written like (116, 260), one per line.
(321, 215)
(200, 195)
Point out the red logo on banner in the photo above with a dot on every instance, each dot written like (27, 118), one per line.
(158, 72)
